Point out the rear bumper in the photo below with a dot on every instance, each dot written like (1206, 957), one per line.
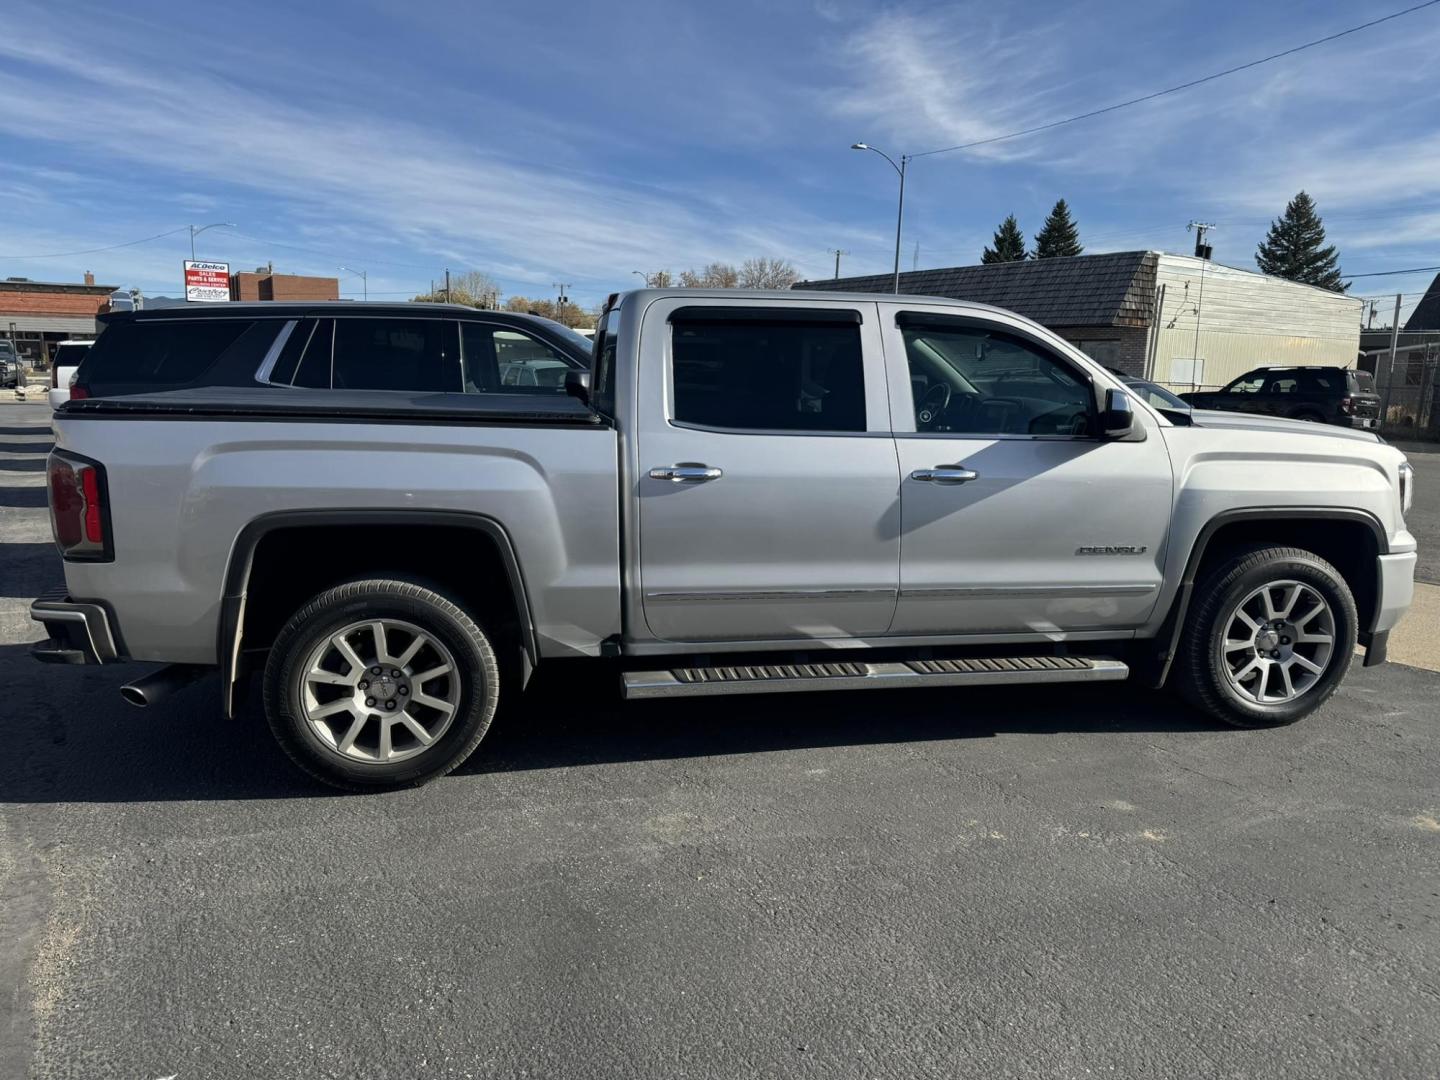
(80, 633)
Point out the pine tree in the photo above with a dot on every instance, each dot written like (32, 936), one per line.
(1009, 243)
(1058, 236)
(1295, 248)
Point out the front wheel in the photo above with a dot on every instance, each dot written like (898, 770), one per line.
(380, 683)
(1269, 639)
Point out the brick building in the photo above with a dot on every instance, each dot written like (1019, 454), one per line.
(1139, 311)
(38, 314)
(265, 284)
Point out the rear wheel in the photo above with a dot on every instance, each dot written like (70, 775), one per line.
(380, 683)
(1269, 639)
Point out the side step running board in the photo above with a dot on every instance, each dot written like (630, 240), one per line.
(779, 678)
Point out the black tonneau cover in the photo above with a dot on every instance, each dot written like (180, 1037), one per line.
(390, 406)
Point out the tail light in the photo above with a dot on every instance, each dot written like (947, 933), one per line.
(79, 516)
(78, 392)
(1347, 406)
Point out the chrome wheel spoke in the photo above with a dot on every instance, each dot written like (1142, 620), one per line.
(329, 678)
(416, 729)
(1285, 680)
(1304, 620)
(320, 712)
(434, 673)
(1244, 617)
(348, 653)
(433, 703)
(348, 742)
(387, 747)
(1232, 645)
(416, 644)
(382, 651)
(1315, 639)
(1308, 664)
(1269, 601)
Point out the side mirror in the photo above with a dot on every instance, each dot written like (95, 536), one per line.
(1117, 419)
(577, 385)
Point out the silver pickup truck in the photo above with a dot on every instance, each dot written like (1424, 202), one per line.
(401, 513)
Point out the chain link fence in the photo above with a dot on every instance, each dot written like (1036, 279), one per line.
(1409, 390)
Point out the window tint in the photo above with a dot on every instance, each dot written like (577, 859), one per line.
(164, 354)
(316, 362)
(1321, 382)
(393, 354)
(769, 376)
(499, 359)
(602, 378)
(1284, 384)
(1247, 384)
(69, 355)
(1362, 381)
(974, 380)
(289, 359)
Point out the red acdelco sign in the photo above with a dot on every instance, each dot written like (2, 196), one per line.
(207, 282)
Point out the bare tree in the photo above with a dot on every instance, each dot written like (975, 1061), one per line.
(661, 279)
(474, 288)
(767, 273)
(715, 275)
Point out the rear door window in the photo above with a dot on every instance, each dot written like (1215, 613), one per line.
(146, 356)
(394, 354)
(758, 374)
(504, 360)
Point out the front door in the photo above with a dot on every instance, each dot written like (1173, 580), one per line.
(767, 484)
(1015, 517)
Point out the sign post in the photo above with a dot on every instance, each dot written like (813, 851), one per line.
(207, 282)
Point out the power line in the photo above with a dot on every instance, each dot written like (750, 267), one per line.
(112, 247)
(1396, 273)
(1181, 86)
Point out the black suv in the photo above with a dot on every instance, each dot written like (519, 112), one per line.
(1324, 395)
(416, 348)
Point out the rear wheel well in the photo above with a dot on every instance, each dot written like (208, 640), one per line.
(292, 564)
(1349, 546)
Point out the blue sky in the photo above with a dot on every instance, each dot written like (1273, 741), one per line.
(559, 142)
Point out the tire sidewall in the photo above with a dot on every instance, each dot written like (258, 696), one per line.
(1319, 576)
(475, 661)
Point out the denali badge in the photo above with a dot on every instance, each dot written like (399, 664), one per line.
(1113, 549)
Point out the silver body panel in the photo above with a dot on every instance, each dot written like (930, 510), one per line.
(816, 539)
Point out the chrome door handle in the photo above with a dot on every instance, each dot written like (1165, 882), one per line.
(946, 474)
(686, 473)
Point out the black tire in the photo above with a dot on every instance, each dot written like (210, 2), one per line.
(1309, 417)
(1201, 671)
(477, 682)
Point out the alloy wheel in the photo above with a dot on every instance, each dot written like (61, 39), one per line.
(380, 690)
(1279, 640)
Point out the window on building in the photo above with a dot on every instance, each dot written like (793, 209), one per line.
(975, 379)
(759, 373)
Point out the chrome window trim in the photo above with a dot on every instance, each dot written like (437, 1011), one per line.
(1002, 591)
(771, 594)
(272, 355)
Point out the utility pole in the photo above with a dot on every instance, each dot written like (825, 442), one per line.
(561, 286)
(837, 252)
(915, 260)
(1202, 252)
(1390, 371)
(447, 284)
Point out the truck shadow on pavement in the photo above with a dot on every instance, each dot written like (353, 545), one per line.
(72, 739)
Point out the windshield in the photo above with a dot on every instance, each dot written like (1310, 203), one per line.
(580, 341)
(1156, 395)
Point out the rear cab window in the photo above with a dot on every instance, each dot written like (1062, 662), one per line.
(151, 355)
(499, 359)
(767, 370)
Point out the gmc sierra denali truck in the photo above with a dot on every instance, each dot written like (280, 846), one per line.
(392, 513)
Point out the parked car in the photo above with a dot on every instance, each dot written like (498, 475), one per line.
(11, 369)
(1322, 395)
(63, 365)
(747, 492)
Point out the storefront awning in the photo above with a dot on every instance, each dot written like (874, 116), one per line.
(48, 324)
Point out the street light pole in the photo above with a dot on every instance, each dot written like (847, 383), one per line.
(364, 280)
(900, 210)
(643, 277)
(196, 230)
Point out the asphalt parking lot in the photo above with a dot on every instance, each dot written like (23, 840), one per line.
(1043, 884)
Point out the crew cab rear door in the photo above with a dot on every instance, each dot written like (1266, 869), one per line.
(765, 472)
(1015, 516)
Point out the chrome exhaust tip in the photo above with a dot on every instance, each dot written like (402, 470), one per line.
(148, 689)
